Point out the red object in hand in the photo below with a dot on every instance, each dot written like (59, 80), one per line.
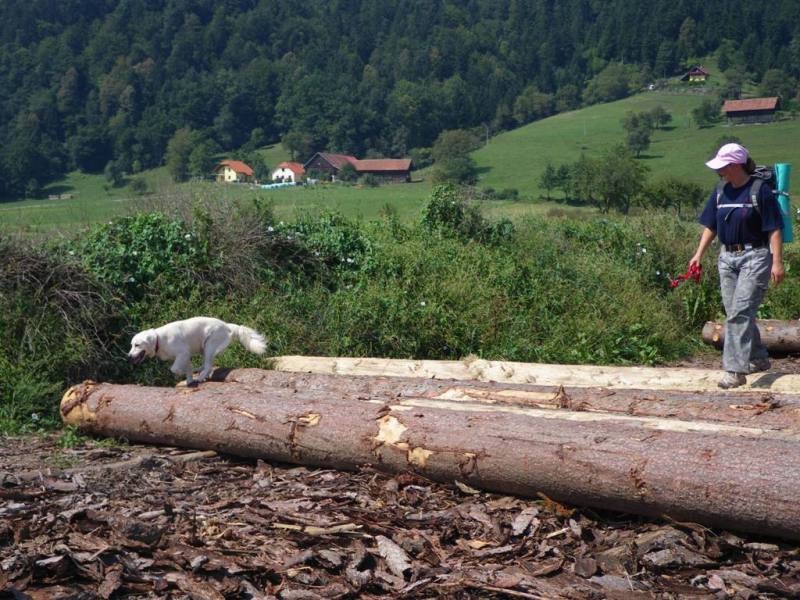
(694, 272)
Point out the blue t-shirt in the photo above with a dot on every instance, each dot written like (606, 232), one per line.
(742, 225)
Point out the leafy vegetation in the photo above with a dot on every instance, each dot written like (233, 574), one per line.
(450, 284)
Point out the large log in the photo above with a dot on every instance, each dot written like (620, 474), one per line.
(697, 380)
(722, 474)
(759, 409)
(778, 336)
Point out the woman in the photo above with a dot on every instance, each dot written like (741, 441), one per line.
(749, 257)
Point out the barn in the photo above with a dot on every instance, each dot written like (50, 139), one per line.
(751, 110)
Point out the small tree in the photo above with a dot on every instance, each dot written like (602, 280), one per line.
(348, 173)
(201, 158)
(33, 188)
(707, 113)
(458, 169)
(638, 140)
(298, 143)
(673, 193)
(619, 179)
(139, 186)
(549, 179)
(660, 116)
(563, 179)
(113, 173)
(179, 148)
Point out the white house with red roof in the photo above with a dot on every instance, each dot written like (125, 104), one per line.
(288, 172)
(234, 171)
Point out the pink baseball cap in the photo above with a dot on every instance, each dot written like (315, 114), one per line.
(729, 154)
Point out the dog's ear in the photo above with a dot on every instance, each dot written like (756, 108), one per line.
(149, 337)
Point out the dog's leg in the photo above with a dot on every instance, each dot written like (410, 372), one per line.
(216, 343)
(183, 366)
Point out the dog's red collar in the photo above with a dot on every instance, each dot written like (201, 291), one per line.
(156, 344)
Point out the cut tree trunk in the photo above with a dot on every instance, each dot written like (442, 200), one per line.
(695, 380)
(777, 336)
(756, 409)
(722, 474)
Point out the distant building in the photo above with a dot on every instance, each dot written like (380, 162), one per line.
(234, 171)
(697, 74)
(328, 163)
(289, 172)
(752, 110)
(395, 170)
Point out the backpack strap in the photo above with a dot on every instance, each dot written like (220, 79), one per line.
(755, 189)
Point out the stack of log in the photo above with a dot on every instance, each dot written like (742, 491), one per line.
(778, 336)
(647, 441)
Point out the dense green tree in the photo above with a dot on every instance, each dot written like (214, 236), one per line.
(85, 83)
(618, 180)
(777, 83)
(707, 113)
(548, 179)
(532, 104)
(454, 144)
(660, 117)
(673, 193)
(179, 149)
(638, 140)
(201, 158)
(612, 83)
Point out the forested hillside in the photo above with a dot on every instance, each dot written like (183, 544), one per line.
(105, 84)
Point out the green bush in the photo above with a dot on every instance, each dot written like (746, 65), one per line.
(546, 290)
(450, 214)
(144, 252)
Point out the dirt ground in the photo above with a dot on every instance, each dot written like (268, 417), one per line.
(101, 520)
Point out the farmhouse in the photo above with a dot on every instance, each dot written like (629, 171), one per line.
(697, 74)
(752, 110)
(234, 171)
(395, 170)
(288, 172)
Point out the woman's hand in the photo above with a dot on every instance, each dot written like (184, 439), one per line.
(777, 272)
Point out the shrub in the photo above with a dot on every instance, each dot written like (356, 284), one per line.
(58, 325)
(149, 250)
(449, 214)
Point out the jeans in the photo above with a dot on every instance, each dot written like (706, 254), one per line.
(744, 277)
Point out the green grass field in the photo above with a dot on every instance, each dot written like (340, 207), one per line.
(514, 159)
(517, 158)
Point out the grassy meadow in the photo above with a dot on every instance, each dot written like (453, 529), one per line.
(514, 159)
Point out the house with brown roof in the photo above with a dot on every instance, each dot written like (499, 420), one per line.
(751, 110)
(234, 171)
(396, 170)
(288, 172)
(697, 74)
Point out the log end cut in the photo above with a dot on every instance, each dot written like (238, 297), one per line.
(74, 407)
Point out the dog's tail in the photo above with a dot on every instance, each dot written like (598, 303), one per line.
(249, 338)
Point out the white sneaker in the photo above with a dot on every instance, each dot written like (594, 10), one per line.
(759, 364)
(732, 380)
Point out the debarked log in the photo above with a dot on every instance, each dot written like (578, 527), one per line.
(752, 408)
(719, 474)
(778, 336)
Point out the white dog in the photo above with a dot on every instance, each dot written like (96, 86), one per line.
(180, 340)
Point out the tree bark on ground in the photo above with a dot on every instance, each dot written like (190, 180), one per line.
(727, 474)
(778, 336)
